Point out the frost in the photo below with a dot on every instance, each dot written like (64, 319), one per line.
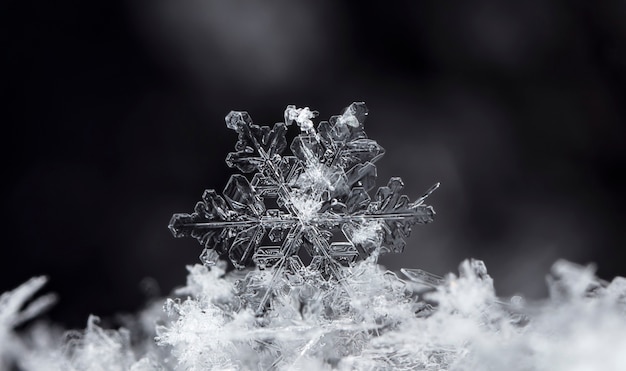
(394, 323)
(302, 116)
(339, 311)
(45, 347)
(93, 349)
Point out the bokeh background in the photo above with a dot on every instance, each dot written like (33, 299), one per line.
(113, 121)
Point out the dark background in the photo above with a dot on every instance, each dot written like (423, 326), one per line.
(113, 121)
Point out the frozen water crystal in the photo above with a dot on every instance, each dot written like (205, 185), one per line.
(17, 307)
(309, 295)
(321, 189)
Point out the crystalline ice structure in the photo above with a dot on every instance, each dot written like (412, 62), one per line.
(16, 307)
(321, 190)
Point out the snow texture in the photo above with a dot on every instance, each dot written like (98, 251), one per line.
(387, 323)
(341, 311)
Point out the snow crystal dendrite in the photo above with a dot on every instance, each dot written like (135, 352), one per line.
(336, 309)
(321, 192)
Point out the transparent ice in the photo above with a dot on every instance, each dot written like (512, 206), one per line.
(339, 311)
(321, 203)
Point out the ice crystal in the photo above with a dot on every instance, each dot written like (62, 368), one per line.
(12, 314)
(341, 310)
(321, 194)
(420, 322)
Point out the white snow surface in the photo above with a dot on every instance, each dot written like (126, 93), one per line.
(373, 320)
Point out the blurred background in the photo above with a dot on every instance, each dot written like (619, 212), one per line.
(114, 120)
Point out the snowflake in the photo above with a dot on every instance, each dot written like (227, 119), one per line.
(319, 190)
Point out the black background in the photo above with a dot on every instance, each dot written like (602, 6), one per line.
(113, 121)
